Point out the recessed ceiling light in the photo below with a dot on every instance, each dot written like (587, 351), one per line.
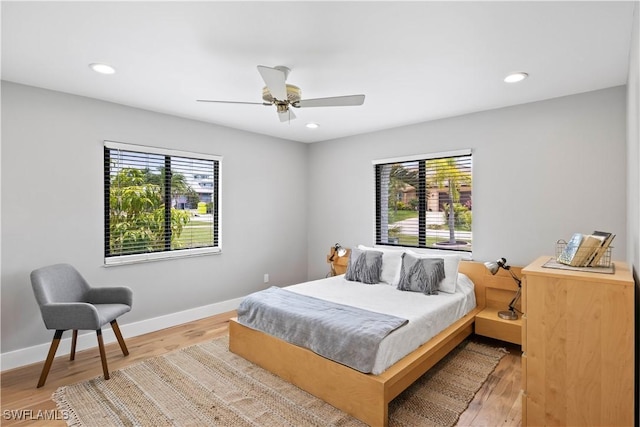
(516, 77)
(102, 68)
(312, 125)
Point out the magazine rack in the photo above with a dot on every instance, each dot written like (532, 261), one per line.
(605, 260)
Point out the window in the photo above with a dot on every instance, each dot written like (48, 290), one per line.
(425, 201)
(155, 208)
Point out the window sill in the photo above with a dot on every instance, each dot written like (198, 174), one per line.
(159, 256)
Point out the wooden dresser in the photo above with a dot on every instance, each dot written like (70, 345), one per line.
(577, 347)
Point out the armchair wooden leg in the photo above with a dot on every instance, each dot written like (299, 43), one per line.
(52, 352)
(116, 331)
(103, 356)
(74, 339)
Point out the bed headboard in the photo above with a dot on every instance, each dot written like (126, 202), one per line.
(490, 290)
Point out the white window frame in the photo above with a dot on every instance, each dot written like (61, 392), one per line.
(182, 253)
(410, 158)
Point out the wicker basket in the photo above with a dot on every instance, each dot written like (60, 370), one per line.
(605, 260)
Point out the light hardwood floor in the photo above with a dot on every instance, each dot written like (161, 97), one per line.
(497, 403)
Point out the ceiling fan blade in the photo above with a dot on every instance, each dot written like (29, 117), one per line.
(274, 79)
(232, 102)
(286, 116)
(336, 101)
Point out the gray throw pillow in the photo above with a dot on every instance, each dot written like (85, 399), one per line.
(364, 266)
(421, 274)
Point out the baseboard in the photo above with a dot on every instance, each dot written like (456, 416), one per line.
(87, 339)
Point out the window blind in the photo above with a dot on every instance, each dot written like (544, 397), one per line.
(425, 201)
(159, 203)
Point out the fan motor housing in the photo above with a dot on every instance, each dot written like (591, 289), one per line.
(293, 94)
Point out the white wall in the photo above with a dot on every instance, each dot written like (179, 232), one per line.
(52, 208)
(633, 179)
(633, 146)
(541, 171)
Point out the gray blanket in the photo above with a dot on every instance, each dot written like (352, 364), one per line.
(342, 333)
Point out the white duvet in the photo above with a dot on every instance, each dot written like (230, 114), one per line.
(428, 315)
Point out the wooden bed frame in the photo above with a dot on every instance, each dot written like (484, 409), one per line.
(364, 396)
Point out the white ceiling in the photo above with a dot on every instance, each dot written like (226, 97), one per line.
(414, 61)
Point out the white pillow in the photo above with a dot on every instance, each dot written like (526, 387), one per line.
(451, 262)
(391, 264)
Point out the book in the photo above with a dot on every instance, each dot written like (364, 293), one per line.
(588, 249)
(602, 249)
(571, 249)
(602, 236)
(580, 249)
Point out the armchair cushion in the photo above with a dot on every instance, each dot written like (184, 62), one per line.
(110, 312)
(81, 315)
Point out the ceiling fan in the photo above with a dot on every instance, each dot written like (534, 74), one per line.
(277, 92)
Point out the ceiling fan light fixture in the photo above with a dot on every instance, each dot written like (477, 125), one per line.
(516, 77)
(312, 125)
(102, 68)
(294, 94)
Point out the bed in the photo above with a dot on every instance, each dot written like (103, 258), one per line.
(363, 395)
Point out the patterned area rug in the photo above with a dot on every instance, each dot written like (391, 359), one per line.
(206, 385)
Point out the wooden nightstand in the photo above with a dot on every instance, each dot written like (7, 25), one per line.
(488, 324)
(339, 263)
(499, 290)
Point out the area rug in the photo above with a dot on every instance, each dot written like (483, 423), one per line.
(206, 385)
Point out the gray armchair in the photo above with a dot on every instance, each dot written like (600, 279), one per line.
(68, 302)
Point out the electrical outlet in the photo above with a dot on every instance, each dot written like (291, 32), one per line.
(266, 277)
